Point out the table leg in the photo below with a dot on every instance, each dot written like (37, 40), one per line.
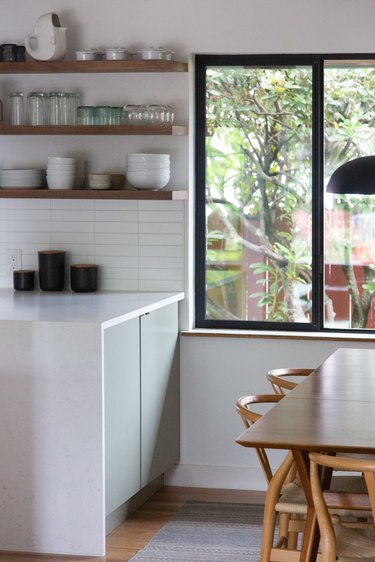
(311, 535)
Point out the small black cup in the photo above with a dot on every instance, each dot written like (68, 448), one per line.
(51, 270)
(23, 279)
(84, 277)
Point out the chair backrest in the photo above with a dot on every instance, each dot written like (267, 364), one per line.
(245, 407)
(282, 379)
(323, 500)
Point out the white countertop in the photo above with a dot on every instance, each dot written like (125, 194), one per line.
(105, 308)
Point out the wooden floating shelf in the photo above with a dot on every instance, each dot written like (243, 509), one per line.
(149, 195)
(68, 67)
(174, 130)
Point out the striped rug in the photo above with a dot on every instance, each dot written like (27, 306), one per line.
(208, 532)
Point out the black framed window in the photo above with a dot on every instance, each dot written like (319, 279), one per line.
(274, 248)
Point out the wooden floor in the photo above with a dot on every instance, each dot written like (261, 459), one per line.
(125, 541)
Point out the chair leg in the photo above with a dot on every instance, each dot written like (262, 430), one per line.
(292, 535)
(283, 529)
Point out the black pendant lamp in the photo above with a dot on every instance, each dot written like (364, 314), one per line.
(356, 176)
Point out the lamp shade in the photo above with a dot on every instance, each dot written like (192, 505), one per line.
(356, 176)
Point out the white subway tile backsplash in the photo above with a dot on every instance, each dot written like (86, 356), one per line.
(157, 285)
(72, 238)
(72, 226)
(138, 245)
(117, 227)
(160, 216)
(161, 262)
(115, 205)
(119, 273)
(29, 215)
(117, 261)
(29, 226)
(161, 239)
(21, 238)
(160, 205)
(116, 239)
(152, 251)
(117, 215)
(118, 284)
(111, 250)
(161, 228)
(68, 215)
(162, 274)
(29, 204)
(72, 204)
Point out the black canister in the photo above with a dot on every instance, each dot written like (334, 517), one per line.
(84, 277)
(21, 53)
(8, 52)
(23, 279)
(51, 270)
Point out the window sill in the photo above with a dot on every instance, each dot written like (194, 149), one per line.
(323, 336)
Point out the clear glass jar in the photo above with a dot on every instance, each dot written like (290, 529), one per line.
(102, 115)
(37, 108)
(116, 115)
(85, 115)
(54, 117)
(16, 109)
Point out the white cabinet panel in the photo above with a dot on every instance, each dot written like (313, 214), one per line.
(160, 428)
(122, 412)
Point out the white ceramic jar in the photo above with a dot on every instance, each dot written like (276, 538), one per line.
(116, 53)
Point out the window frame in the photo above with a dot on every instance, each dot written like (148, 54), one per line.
(317, 62)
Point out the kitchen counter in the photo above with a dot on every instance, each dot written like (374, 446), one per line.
(62, 358)
(106, 308)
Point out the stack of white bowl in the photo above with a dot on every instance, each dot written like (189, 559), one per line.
(61, 172)
(22, 178)
(148, 171)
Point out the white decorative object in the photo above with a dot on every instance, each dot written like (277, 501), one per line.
(48, 41)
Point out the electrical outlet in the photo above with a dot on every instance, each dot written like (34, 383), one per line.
(14, 259)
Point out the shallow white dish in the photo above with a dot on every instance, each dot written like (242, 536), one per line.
(19, 186)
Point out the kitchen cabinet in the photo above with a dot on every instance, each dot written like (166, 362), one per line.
(92, 67)
(141, 402)
(73, 370)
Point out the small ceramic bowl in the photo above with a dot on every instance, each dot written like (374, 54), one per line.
(86, 55)
(99, 181)
(116, 53)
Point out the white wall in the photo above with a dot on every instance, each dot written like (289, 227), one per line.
(215, 371)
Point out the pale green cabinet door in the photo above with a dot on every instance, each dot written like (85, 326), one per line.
(160, 428)
(122, 412)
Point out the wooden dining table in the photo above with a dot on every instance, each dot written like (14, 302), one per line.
(332, 410)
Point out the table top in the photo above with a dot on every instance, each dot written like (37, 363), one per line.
(332, 410)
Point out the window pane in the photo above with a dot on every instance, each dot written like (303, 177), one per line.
(349, 219)
(258, 193)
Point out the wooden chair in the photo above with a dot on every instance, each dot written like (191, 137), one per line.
(282, 379)
(285, 496)
(338, 542)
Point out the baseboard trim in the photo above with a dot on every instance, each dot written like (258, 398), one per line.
(204, 476)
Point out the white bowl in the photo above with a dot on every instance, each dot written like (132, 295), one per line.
(22, 171)
(60, 182)
(148, 175)
(148, 183)
(145, 156)
(148, 167)
(61, 169)
(61, 160)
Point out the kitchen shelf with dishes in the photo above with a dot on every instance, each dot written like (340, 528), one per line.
(125, 194)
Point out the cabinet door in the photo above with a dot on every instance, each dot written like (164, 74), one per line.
(160, 428)
(122, 412)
